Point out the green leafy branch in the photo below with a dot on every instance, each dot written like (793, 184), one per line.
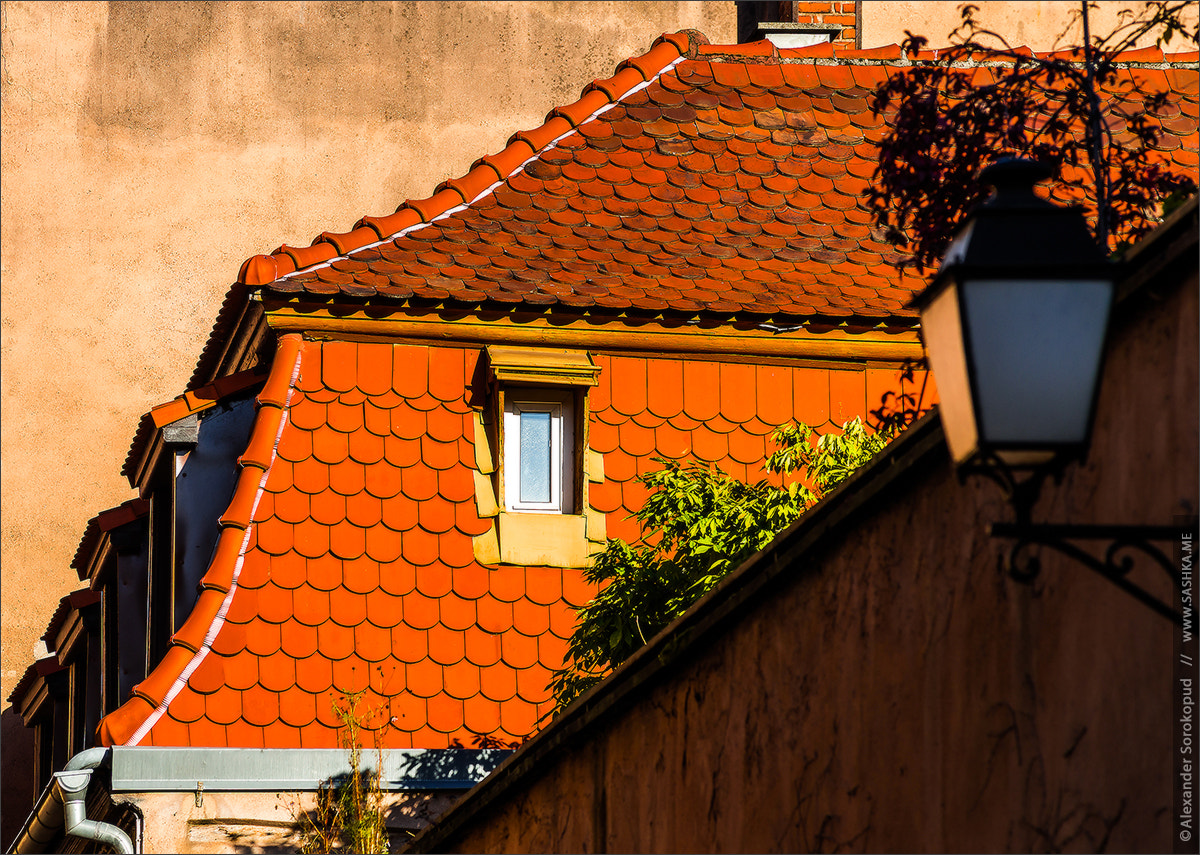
(697, 525)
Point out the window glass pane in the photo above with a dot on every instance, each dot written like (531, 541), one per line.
(535, 457)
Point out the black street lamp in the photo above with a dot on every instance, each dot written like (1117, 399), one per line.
(1014, 325)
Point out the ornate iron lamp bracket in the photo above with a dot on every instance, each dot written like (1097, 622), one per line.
(1121, 542)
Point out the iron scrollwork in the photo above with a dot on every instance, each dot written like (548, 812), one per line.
(1124, 542)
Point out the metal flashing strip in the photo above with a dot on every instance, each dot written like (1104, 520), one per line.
(168, 769)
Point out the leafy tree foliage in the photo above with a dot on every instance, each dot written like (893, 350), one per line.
(981, 99)
(697, 525)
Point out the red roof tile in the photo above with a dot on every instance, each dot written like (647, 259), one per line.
(339, 582)
(98, 526)
(722, 186)
(616, 196)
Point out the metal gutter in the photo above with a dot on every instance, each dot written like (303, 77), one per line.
(63, 805)
(41, 826)
(148, 770)
(61, 808)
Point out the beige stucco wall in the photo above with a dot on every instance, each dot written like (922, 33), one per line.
(1042, 25)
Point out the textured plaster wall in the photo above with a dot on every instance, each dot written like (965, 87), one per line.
(149, 148)
(261, 822)
(1040, 25)
(897, 693)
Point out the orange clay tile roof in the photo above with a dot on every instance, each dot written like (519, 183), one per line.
(718, 181)
(346, 563)
(66, 604)
(199, 400)
(43, 667)
(17, 696)
(700, 179)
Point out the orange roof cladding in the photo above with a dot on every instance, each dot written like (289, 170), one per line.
(346, 563)
(709, 181)
(199, 400)
(700, 179)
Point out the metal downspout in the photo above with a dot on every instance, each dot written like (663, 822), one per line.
(73, 780)
(71, 791)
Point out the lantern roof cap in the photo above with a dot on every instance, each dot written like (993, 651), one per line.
(1016, 234)
(1013, 178)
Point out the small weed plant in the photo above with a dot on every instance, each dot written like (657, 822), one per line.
(348, 815)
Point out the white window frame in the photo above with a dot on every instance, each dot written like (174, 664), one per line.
(560, 406)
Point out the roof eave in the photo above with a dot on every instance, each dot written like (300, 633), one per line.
(839, 338)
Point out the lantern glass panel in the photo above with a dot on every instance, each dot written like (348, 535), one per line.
(1036, 348)
(941, 328)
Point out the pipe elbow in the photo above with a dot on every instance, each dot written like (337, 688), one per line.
(78, 825)
(73, 784)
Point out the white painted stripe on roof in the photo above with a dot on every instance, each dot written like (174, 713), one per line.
(219, 620)
(492, 189)
(450, 212)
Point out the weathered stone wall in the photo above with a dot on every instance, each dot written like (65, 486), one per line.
(896, 692)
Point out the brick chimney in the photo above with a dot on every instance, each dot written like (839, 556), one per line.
(799, 24)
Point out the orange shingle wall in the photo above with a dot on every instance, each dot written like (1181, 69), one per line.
(360, 575)
(715, 412)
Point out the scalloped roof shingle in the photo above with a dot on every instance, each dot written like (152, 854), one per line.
(345, 560)
(699, 179)
(710, 181)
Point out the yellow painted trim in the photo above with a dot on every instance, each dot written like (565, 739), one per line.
(485, 495)
(543, 540)
(542, 366)
(597, 526)
(630, 334)
(485, 460)
(487, 547)
(594, 466)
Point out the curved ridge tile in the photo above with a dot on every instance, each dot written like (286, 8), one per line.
(169, 677)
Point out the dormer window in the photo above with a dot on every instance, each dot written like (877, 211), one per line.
(539, 443)
(540, 396)
(531, 448)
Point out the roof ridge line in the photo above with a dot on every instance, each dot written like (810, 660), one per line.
(407, 230)
(264, 269)
(186, 653)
